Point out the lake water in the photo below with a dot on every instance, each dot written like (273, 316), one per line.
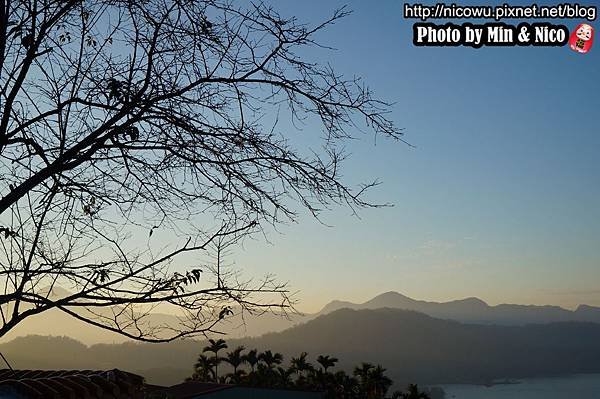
(585, 386)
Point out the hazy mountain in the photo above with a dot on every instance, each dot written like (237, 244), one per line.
(416, 347)
(412, 346)
(474, 310)
(57, 323)
(586, 312)
(469, 310)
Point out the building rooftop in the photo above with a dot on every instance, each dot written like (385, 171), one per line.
(117, 384)
(66, 384)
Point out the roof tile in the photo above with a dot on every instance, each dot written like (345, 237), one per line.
(72, 384)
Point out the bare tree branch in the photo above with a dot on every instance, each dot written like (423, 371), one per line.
(140, 141)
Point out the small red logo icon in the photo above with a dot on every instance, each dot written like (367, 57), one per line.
(582, 38)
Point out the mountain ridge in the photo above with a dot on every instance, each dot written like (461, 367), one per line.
(473, 310)
(413, 347)
(467, 310)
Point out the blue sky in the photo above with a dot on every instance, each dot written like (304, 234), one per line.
(500, 199)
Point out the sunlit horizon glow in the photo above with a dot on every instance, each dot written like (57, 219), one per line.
(499, 199)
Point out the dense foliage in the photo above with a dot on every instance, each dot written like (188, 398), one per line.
(267, 370)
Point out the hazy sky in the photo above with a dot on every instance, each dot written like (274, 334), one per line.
(501, 197)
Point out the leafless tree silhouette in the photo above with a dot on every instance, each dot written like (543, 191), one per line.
(138, 136)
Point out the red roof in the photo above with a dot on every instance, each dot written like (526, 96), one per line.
(76, 384)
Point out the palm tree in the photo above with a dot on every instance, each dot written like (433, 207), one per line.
(326, 361)
(345, 385)
(265, 374)
(369, 381)
(203, 369)
(215, 347)
(380, 382)
(251, 358)
(363, 372)
(283, 376)
(300, 365)
(237, 377)
(413, 393)
(235, 359)
(270, 359)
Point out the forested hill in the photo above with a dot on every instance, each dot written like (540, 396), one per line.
(412, 346)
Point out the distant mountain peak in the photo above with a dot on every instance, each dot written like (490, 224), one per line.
(391, 299)
(473, 310)
(472, 301)
(54, 292)
(335, 305)
(588, 310)
(391, 295)
(582, 306)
